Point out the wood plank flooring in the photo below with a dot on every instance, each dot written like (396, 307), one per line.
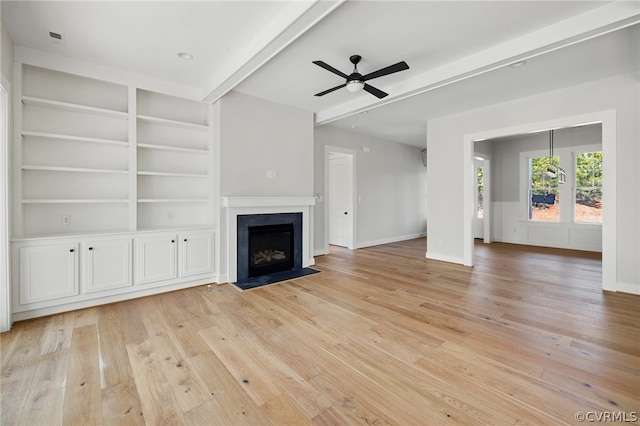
(381, 336)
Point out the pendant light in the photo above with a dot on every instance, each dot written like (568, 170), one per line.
(552, 170)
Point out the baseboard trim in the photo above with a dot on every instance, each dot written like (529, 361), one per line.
(628, 288)
(444, 258)
(389, 240)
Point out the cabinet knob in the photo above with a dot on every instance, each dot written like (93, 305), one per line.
(173, 241)
(90, 248)
(71, 251)
(185, 240)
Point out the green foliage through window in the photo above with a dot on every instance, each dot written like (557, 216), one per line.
(589, 187)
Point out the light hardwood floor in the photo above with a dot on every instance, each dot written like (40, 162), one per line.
(381, 336)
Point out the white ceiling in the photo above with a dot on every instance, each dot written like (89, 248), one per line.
(457, 51)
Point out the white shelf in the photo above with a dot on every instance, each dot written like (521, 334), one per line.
(72, 169)
(74, 201)
(173, 200)
(66, 106)
(190, 175)
(172, 148)
(173, 123)
(44, 135)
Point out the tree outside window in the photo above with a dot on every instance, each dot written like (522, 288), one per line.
(543, 189)
(588, 200)
(480, 192)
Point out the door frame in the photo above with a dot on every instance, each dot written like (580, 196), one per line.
(328, 149)
(5, 132)
(609, 225)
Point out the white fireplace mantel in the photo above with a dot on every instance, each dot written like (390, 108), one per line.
(235, 206)
(239, 202)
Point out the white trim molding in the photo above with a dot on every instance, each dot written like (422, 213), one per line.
(5, 278)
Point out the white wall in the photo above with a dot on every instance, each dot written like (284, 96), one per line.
(390, 185)
(445, 138)
(257, 136)
(264, 149)
(6, 59)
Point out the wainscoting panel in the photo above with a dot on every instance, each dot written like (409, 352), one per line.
(510, 226)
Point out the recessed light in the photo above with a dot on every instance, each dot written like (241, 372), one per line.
(353, 126)
(186, 56)
(517, 64)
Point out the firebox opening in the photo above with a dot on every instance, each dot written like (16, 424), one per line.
(271, 249)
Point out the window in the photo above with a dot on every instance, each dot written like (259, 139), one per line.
(588, 193)
(543, 189)
(479, 192)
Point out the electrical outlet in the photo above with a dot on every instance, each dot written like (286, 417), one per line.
(170, 215)
(66, 220)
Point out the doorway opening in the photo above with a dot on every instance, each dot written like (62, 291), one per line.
(482, 198)
(607, 119)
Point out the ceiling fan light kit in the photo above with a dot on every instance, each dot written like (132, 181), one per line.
(355, 86)
(356, 82)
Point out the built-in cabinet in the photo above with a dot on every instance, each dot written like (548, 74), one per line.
(99, 166)
(167, 256)
(47, 272)
(62, 273)
(157, 257)
(107, 264)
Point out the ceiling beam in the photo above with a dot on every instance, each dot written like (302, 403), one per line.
(297, 18)
(599, 21)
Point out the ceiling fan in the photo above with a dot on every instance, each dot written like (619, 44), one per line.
(356, 81)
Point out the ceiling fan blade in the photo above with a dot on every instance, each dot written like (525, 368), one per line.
(330, 68)
(400, 66)
(375, 92)
(330, 90)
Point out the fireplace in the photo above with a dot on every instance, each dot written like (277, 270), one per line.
(270, 249)
(268, 243)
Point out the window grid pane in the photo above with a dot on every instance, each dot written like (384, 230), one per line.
(588, 193)
(543, 189)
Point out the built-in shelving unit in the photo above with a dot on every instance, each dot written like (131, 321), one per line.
(113, 191)
(97, 155)
(174, 163)
(73, 152)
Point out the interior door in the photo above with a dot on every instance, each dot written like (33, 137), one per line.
(341, 200)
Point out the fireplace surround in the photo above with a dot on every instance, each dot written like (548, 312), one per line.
(237, 206)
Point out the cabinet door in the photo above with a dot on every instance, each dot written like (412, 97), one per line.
(107, 265)
(156, 258)
(48, 272)
(196, 254)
